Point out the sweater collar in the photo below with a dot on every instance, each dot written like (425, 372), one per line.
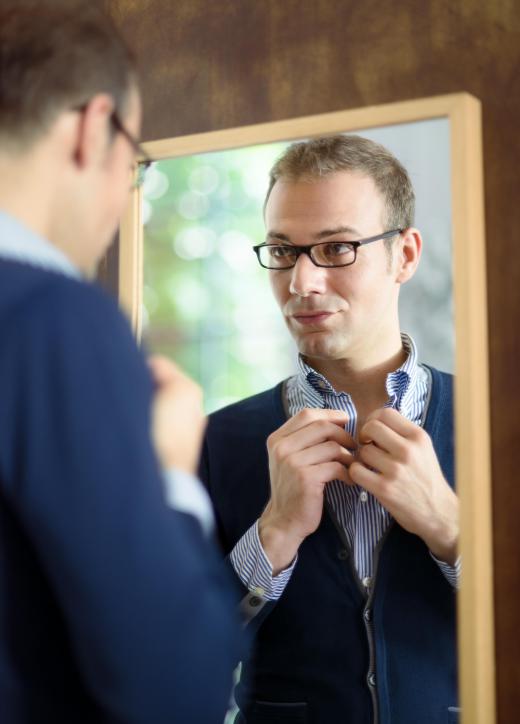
(19, 243)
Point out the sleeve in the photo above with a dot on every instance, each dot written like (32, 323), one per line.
(450, 573)
(255, 572)
(256, 591)
(186, 493)
(254, 568)
(145, 602)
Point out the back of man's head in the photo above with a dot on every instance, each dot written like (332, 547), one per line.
(55, 55)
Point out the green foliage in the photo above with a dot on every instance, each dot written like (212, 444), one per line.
(207, 302)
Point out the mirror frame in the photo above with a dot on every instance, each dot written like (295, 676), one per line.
(472, 436)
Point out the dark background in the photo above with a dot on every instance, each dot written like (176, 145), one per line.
(212, 64)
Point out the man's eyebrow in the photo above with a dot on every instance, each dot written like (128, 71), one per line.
(338, 230)
(278, 236)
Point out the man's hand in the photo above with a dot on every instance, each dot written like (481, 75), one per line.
(178, 421)
(398, 465)
(304, 454)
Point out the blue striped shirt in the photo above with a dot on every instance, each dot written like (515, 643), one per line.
(362, 518)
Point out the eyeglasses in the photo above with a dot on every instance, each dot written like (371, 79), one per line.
(144, 161)
(328, 254)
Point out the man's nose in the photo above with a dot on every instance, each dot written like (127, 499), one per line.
(307, 278)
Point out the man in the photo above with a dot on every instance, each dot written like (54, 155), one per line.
(112, 608)
(344, 535)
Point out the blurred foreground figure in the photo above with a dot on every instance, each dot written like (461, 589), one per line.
(112, 607)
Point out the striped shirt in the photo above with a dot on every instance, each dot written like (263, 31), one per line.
(362, 518)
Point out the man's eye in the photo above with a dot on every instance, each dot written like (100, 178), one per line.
(280, 252)
(337, 248)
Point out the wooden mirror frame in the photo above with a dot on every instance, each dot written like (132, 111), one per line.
(472, 435)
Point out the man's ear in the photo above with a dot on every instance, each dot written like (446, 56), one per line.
(408, 254)
(93, 131)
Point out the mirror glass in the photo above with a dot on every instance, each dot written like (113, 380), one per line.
(207, 302)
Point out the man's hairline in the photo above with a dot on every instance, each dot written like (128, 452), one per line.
(316, 178)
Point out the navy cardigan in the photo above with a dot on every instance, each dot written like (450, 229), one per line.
(112, 607)
(317, 645)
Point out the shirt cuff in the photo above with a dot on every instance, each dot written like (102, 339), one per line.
(185, 493)
(450, 573)
(254, 568)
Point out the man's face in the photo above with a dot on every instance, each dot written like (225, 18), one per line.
(333, 313)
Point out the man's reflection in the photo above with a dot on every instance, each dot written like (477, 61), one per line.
(344, 537)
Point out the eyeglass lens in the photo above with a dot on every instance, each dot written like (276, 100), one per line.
(333, 253)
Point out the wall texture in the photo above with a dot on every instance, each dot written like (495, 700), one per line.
(209, 65)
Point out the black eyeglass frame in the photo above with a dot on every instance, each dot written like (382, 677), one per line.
(307, 249)
(144, 161)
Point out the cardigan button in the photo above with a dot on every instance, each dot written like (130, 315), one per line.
(255, 601)
(367, 614)
(343, 554)
(371, 679)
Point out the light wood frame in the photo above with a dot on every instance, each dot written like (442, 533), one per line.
(475, 599)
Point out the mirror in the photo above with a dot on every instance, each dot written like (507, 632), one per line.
(438, 140)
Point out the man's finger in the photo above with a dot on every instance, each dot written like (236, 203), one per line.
(308, 416)
(368, 479)
(376, 431)
(332, 471)
(322, 453)
(394, 420)
(313, 434)
(163, 370)
(375, 458)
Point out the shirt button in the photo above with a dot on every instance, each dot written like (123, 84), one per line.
(363, 496)
(366, 581)
(371, 679)
(367, 614)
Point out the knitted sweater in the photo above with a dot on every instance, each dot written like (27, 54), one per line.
(112, 607)
(315, 646)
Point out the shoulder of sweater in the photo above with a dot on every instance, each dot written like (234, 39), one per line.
(62, 320)
(50, 300)
(439, 414)
(441, 385)
(264, 409)
(438, 374)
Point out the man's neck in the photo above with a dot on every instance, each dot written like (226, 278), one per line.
(25, 194)
(365, 383)
(28, 195)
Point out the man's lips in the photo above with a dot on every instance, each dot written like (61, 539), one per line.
(311, 317)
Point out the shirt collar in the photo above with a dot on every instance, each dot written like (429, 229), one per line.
(400, 384)
(18, 243)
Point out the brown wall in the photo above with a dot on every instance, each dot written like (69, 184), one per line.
(210, 64)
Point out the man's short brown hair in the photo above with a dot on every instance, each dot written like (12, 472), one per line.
(54, 55)
(321, 156)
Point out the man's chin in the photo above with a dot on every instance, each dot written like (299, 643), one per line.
(325, 349)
